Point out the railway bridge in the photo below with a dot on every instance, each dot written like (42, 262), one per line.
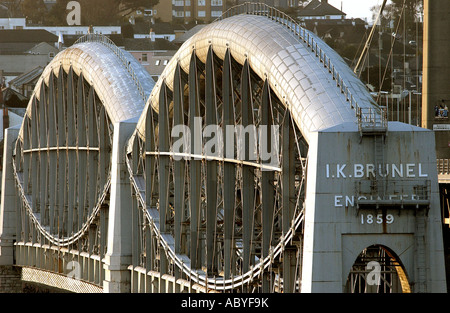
(258, 162)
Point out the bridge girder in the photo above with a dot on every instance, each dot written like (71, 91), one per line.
(211, 210)
(62, 157)
(191, 199)
(223, 216)
(220, 78)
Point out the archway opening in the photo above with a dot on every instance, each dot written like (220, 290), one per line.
(377, 269)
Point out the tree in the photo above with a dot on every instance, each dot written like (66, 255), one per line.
(34, 10)
(128, 6)
(58, 13)
(109, 12)
(13, 7)
(403, 13)
(388, 14)
(98, 12)
(372, 76)
(411, 12)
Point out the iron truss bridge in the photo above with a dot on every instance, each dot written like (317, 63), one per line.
(104, 198)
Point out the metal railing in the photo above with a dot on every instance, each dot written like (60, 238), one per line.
(401, 193)
(199, 277)
(301, 33)
(119, 53)
(45, 230)
(372, 119)
(79, 266)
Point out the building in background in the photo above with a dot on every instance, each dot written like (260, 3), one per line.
(26, 82)
(162, 12)
(10, 19)
(197, 11)
(280, 4)
(152, 53)
(22, 50)
(317, 9)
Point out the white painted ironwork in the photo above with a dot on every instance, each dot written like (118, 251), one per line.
(63, 154)
(98, 179)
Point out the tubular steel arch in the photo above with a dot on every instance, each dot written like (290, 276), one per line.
(62, 158)
(62, 162)
(223, 223)
(218, 221)
(198, 182)
(215, 215)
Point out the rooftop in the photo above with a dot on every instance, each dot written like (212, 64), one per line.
(26, 36)
(13, 99)
(145, 44)
(320, 8)
(27, 77)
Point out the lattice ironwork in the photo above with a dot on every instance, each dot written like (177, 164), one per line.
(377, 270)
(222, 222)
(62, 168)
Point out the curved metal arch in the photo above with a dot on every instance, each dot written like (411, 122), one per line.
(208, 202)
(63, 158)
(110, 74)
(63, 152)
(311, 79)
(309, 83)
